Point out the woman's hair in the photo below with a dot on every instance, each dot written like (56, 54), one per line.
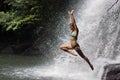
(71, 25)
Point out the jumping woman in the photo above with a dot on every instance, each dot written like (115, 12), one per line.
(73, 41)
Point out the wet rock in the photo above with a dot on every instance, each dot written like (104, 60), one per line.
(32, 51)
(14, 49)
(111, 72)
(19, 48)
(7, 50)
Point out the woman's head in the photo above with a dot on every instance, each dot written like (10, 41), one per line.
(72, 26)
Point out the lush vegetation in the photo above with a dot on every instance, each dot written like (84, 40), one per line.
(20, 18)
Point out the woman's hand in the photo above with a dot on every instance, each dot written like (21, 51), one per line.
(70, 12)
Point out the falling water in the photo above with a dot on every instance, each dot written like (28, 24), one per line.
(96, 42)
(98, 38)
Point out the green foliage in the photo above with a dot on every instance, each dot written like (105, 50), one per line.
(27, 11)
(29, 18)
(16, 23)
(21, 12)
(4, 17)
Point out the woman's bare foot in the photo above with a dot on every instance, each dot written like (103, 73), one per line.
(92, 67)
(72, 52)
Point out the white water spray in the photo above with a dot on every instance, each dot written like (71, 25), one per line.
(67, 67)
(88, 19)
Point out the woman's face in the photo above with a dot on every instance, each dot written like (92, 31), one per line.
(71, 27)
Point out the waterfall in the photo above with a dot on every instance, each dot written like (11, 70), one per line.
(98, 38)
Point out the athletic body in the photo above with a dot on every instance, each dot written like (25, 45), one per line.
(73, 41)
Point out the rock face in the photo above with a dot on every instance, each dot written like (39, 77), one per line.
(111, 72)
(14, 49)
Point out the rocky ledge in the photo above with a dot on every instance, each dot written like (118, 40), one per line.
(111, 72)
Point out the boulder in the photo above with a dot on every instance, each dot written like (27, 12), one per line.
(111, 72)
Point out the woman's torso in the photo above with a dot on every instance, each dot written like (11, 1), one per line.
(73, 37)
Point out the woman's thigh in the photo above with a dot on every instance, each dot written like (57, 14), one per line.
(66, 46)
(79, 51)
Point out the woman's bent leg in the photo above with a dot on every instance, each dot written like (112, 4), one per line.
(67, 48)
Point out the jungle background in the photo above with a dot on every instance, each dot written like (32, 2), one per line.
(23, 21)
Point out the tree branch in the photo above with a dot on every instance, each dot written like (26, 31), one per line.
(113, 5)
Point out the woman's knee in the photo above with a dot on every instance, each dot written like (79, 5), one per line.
(61, 47)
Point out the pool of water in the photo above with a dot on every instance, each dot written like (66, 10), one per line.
(20, 67)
